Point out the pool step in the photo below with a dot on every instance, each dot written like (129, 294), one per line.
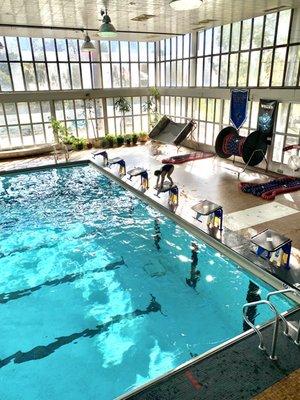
(294, 331)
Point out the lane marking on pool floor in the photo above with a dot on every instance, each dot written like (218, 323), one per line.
(257, 215)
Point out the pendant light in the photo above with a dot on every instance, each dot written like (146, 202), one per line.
(107, 29)
(182, 5)
(87, 45)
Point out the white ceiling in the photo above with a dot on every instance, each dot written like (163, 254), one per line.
(86, 14)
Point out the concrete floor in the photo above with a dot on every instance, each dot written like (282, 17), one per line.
(213, 179)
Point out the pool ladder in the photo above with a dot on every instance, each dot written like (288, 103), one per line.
(290, 328)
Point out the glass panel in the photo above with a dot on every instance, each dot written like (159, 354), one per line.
(246, 34)
(210, 109)
(53, 76)
(179, 47)
(42, 76)
(173, 73)
(17, 76)
(254, 114)
(217, 40)
(124, 51)
(143, 51)
(75, 73)
(25, 48)
(106, 75)
(104, 47)
(27, 135)
(265, 72)
(62, 51)
(2, 119)
(2, 52)
(225, 38)
(38, 131)
(243, 69)
(278, 67)
(203, 109)
(59, 111)
(12, 48)
(168, 49)
(208, 41)
(186, 45)
(235, 36)
(277, 149)
(11, 113)
(292, 66)
(282, 117)
(179, 73)
(257, 32)
(254, 66)
(199, 71)
(283, 27)
(35, 111)
(224, 70)
(46, 110)
(207, 65)
(15, 137)
(134, 75)
(294, 120)
(233, 65)
(64, 76)
(125, 75)
(215, 71)
(69, 109)
(50, 49)
(151, 51)
(200, 43)
(5, 81)
(133, 51)
(23, 112)
(143, 75)
(173, 48)
(73, 50)
(116, 75)
(38, 49)
(152, 74)
(29, 76)
(86, 76)
(96, 76)
(114, 51)
(4, 140)
(168, 74)
(270, 29)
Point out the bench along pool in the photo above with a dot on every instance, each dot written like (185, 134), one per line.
(96, 291)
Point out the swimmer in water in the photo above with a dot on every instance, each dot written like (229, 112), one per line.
(195, 274)
(163, 173)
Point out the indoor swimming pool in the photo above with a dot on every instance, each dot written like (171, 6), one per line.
(96, 291)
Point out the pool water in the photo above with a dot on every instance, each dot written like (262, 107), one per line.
(93, 293)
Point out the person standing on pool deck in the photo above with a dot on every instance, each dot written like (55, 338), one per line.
(163, 173)
(195, 274)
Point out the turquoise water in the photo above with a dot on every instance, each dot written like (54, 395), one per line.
(93, 292)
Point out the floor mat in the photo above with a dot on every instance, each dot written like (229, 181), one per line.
(182, 158)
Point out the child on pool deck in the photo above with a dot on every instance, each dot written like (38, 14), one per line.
(163, 173)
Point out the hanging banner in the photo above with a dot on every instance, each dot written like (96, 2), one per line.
(266, 118)
(238, 107)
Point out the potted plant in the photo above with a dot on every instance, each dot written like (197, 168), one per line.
(143, 137)
(128, 139)
(123, 106)
(89, 145)
(97, 143)
(56, 128)
(105, 143)
(134, 138)
(111, 140)
(120, 140)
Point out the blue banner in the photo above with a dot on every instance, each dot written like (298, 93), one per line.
(238, 107)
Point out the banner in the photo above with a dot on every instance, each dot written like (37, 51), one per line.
(266, 118)
(238, 107)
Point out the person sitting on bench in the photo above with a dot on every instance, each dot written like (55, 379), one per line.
(165, 171)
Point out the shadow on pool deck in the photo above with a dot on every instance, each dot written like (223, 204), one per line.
(237, 372)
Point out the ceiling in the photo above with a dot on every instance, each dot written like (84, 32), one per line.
(86, 14)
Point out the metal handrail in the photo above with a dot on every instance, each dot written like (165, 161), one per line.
(275, 332)
(276, 292)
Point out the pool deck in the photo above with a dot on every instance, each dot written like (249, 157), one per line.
(237, 372)
(215, 180)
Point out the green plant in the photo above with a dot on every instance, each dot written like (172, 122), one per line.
(150, 106)
(56, 128)
(143, 137)
(120, 140)
(111, 140)
(134, 138)
(105, 143)
(128, 139)
(123, 106)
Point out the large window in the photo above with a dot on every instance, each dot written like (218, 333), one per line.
(250, 53)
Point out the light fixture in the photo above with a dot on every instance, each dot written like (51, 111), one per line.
(87, 45)
(1, 46)
(107, 29)
(182, 5)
